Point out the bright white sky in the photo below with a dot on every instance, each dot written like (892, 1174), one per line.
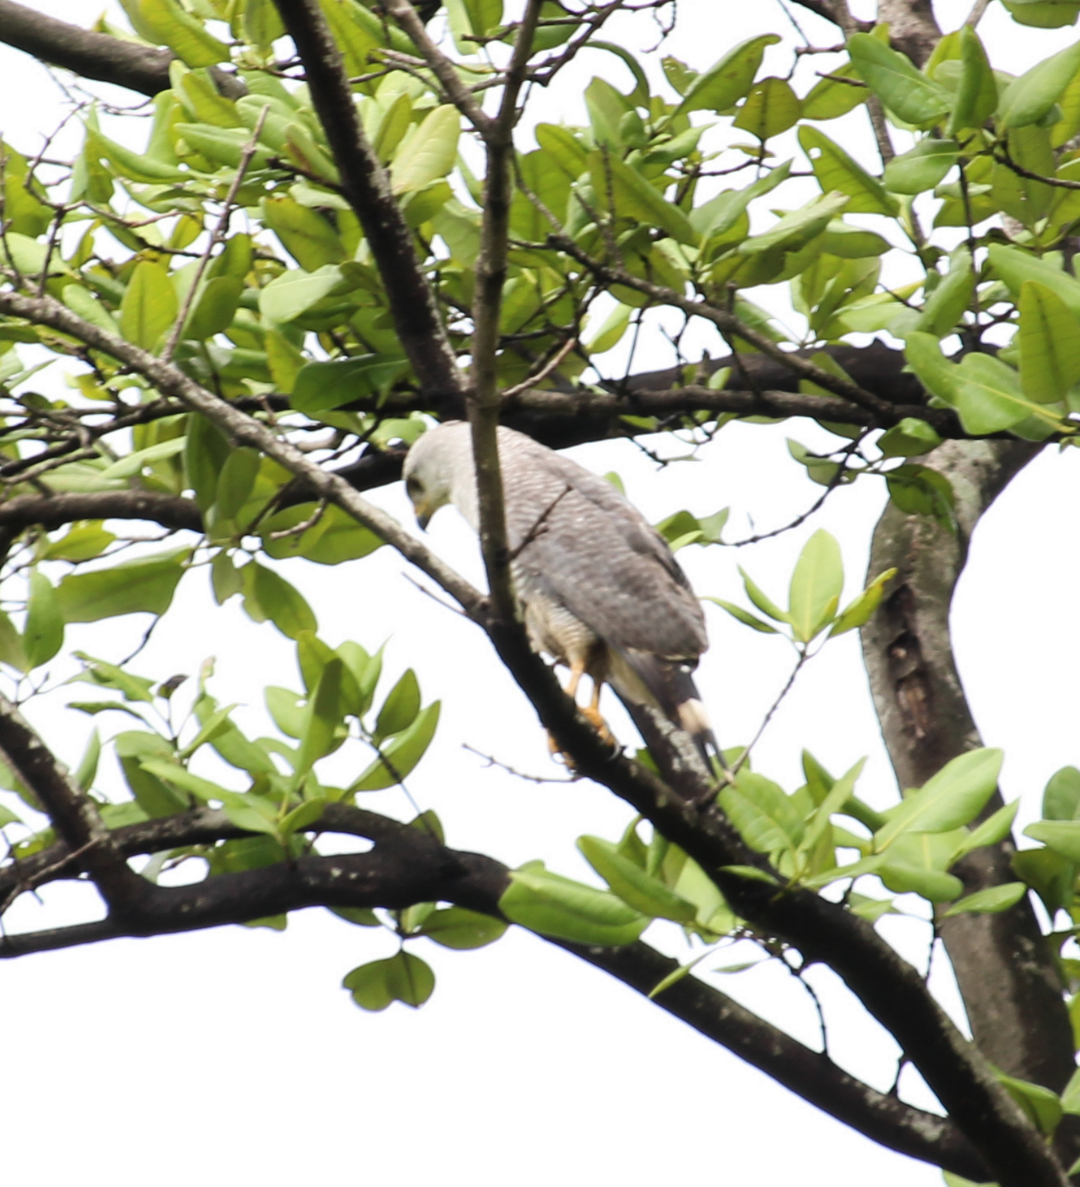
(525, 1066)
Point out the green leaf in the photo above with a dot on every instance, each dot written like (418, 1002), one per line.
(236, 481)
(993, 830)
(1049, 340)
(401, 978)
(727, 80)
(909, 438)
(323, 385)
(1070, 1096)
(816, 585)
(275, 598)
(215, 308)
(743, 616)
(153, 795)
(1042, 1106)
(400, 708)
(361, 916)
(761, 601)
(401, 754)
(767, 818)
(836, 170)
(80, 301)
(166, 22)
(922, 167)
(638, 199)
(135, 463)
(139, 586)
(899, 85)
(554, 906)
(947, 302)
(829, 98)
(838, 795)
(989, 901)
(323, 718)
(11, 645)
(429, 153)
(984, 390)
(149, 307)
(81, 543)
(306, 235)
(771, 107)
(1029, 98)
(461, 929)
(44, 633)
(334, 538)
(293, 293)
(133, 688)
(283, 706)
(952, 797)
(1044, 14)
(1061, 799)
(1050, 875)
(1063, 836)
(934, 885)
(630, 882)
(977, 92)
(1015, 266)
(794, 231)
(86, 771)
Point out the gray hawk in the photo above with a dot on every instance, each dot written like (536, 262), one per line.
(599, 587)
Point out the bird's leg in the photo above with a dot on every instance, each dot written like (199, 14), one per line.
(592, 712)
(577, 670)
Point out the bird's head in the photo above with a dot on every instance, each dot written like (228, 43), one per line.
(428, 475)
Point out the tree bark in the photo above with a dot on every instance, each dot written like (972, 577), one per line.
(1005, 970)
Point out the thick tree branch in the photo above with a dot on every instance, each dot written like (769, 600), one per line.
(730, 326)
(52, 511)
(366, 185)
(95, 55)
(810, 1074)
(1004, 968)
(913, 29)
(72, 813)
(892, 990)
(478, 882)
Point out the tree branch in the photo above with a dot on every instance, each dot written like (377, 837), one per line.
(883, 1118)
(95, 55)
(52, 511)
(72, 813)
(238, 426)
(478, 882)
(730, 326)
(366, 186)
(1005, 971)
(441, 66)
(484, 401)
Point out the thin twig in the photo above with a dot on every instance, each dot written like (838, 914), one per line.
(494, 762)
(544, 371)
(247, 153)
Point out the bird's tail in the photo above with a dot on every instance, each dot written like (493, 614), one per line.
(669, 686)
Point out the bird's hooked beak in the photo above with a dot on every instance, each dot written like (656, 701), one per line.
(424, 509)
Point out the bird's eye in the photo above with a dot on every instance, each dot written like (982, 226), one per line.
(413, 487)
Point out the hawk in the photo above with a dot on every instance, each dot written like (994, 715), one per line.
(599, 587)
